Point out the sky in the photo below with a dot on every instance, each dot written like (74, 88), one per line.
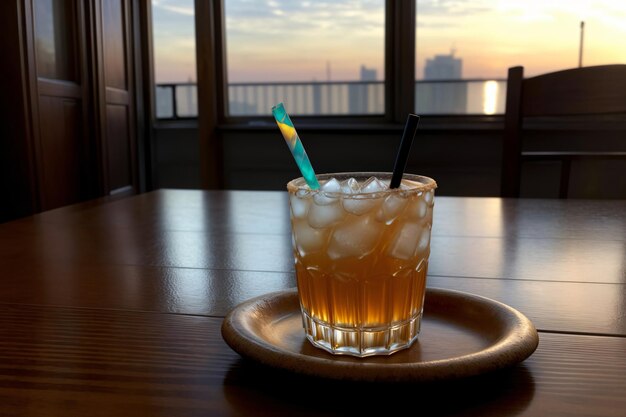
(291, 40)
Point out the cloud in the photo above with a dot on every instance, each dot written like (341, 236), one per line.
(178, 7)
(453, 7)
(436, 24)
(246, 18)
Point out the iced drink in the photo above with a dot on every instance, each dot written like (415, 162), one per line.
(361, 254)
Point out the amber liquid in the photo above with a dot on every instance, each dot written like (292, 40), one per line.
(371, 299)
(372, 290)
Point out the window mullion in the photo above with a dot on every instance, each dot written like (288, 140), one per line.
(212, 97)
(399, 59)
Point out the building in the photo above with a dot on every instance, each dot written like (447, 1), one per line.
(368, 74)
(445, 96)
(359, 92)
(443, 67)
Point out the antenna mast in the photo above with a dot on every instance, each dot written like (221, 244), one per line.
(580, 48)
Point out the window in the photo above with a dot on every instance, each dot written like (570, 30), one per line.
(464, 48)
(328, 57)
(319, 57)
(174, 44)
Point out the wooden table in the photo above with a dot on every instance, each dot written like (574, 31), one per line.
(113, 308)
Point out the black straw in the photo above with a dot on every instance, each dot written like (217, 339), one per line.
(403, 153)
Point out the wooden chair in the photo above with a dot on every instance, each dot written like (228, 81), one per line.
(586, 91)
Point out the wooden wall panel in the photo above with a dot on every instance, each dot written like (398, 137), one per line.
(60, 85)
(61, 148)
(18, 191)
(118, 106)
(114, 24)
(118, 147)
(68, 105)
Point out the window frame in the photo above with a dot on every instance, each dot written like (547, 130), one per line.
(399, 62)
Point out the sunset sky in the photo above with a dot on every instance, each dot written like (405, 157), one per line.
(287, 40)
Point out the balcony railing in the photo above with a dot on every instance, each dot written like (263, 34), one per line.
(459, 96)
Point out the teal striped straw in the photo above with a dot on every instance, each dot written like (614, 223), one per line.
(295, 145)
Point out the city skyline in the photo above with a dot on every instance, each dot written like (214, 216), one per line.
(490, 36)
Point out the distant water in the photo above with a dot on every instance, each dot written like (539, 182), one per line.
(339, 98)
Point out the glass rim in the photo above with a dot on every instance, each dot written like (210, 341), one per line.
(422, 184)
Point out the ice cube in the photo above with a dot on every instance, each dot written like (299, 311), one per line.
(373, 185)
(299, 204)
(391, 208)
(330, 186)
(307, 239)
(359, 204)
(429, 197)
(409, 184)
(417, 208)
(405, 242)
(424, 240)
(357, 238)
(350, 186)
(321, 216)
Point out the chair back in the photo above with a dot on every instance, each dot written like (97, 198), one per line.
(597, 90)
